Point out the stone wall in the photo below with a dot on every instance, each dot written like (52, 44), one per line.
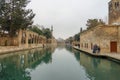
(100, 35)
(30, 39)
(51, 41)
(8, 41)
(24, 38)
(76, 43)
(114, 12)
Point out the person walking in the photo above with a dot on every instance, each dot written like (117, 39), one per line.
(95, 47)
(98, 49)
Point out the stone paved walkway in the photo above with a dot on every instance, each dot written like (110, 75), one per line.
(115, 56)
(6, 49)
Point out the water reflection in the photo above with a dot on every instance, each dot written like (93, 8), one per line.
(69, 48)
(100, 68)
(76, 53)
(60, 47)
(9, 69)
(13, 66)
(64, 64)
(96, 68)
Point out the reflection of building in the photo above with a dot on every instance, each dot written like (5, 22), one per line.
(99, 69)
(105, 36)
(52, 41)
(34, 57)
(24, 38)
(60, 41)
(13, 66)
(17, 65)
(29, 58)
(96, 68)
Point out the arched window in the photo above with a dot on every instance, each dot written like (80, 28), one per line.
(116, 4)
(23, 40)
(110, 6)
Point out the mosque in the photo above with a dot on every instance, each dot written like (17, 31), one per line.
(105, 36)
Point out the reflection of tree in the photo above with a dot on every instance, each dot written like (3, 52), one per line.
(45, 57)
(48, 57)
(98, 68)
(10, 71)
(77, 55)
(13, 67)
(75, 52)
(95, 62)
(38, 57)
(69, 48)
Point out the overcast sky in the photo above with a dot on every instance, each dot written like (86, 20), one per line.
(67, 16)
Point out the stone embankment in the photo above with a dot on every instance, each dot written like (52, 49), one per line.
(8, 49)
(111, 56)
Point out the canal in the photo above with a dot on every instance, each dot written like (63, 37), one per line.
(61, 63)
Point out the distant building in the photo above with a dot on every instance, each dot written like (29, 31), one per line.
(60, 41)
(52, 41)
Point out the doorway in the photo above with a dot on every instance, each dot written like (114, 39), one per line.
(113, 46)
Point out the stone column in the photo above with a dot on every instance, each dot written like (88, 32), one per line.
(118, 42)
(26, 39)
(19, 37)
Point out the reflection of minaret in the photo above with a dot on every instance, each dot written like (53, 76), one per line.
(52, 34)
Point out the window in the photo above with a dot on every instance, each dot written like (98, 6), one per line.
(82, 45)
(87, 45)
(116, 4)
(110, 6)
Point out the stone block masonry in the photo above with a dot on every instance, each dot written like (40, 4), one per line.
(105, 36)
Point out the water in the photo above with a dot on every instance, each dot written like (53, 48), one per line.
(56, 64)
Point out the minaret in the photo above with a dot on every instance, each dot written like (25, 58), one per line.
(114, 12)
(81, 30)
(52, 30)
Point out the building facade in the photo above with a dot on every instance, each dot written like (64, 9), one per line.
(23, 38)
(105, 36)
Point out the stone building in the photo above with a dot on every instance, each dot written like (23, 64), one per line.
(51, 41)
(23, 38)
(76, 43)
(105, 36)
(114, 12)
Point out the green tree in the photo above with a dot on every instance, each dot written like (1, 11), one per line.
(44, 31)
(77, 37)
(69, 40)
(15, 16)
(47, 32)
(37, 30)
(94, 22)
